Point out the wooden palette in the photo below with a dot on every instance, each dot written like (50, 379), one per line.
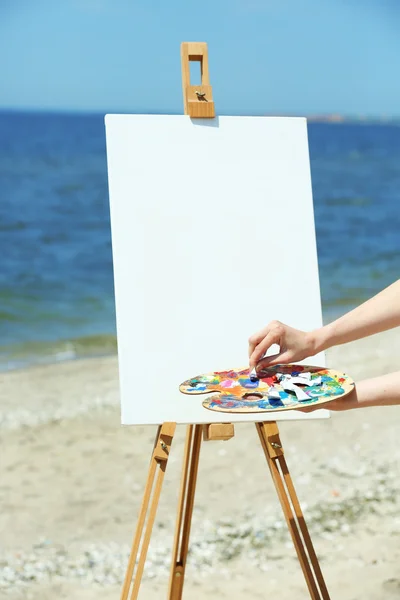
(236, 393)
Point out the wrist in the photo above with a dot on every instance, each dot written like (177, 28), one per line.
(319, 339)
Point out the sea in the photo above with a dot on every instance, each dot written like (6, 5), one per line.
(56, 272)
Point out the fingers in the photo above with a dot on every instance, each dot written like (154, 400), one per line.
(333, 405)
(260, 343)
(273, 337)
(255, 339)
(311, 408)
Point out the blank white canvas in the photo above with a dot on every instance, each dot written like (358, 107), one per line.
(213, 236)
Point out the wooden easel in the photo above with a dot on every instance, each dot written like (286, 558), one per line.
(199, 104)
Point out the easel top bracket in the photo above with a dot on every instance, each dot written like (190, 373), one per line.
(197, 99)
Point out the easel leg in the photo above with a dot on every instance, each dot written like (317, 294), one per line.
(185, 510)
(159, 459)
(270, 441)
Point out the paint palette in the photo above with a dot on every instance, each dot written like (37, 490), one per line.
(281, 387)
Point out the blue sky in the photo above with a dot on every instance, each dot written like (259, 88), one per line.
(266, 56)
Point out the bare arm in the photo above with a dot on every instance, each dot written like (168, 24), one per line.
(379, 391)
(380, 313)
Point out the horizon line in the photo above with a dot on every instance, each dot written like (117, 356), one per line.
(331, 117)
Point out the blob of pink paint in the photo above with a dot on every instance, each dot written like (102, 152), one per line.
(228, 383)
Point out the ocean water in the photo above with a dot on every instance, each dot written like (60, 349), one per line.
(56, 279)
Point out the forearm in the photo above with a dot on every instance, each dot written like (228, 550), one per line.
(380, 313)
(379, 391)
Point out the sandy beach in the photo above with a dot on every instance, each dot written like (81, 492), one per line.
(72, 481)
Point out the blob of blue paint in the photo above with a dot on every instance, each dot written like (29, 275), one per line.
(276, 402)
(198, 387)
(247, 383)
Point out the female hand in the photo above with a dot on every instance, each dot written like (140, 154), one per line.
(294, 345)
